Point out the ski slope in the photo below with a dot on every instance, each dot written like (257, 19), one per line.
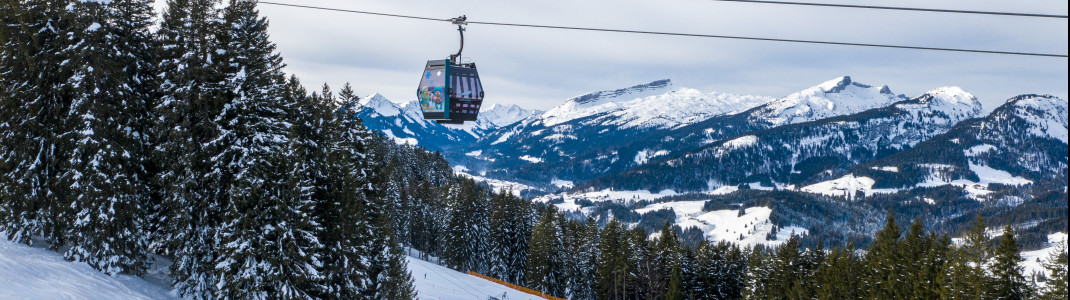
(437, 282)
(34, 273)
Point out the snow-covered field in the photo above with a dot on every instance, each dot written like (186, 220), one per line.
(846, 186)
(496, 184)
(978, 190)
(33, 273)
(1033, 260)
(727, 225)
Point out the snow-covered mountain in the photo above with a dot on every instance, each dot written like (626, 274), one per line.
(837, 97)
(599, 132)
(656, 104)
(607, 132)
(405, 123)
(501, 115)
(803, 153)
(1022, 141)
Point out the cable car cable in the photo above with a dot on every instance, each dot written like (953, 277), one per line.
(977, 12)
(777, 39)
(355, 11)
(965, 50)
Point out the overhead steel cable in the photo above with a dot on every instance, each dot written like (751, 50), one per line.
(775, 39)
(353, 11)
(690, 34)
(957, 11)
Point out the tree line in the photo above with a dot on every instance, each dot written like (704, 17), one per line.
(188, 141)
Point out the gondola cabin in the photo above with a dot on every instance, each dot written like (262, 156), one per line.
(450, 93)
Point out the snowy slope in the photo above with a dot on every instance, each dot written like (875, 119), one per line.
(404, 123)
(747, 229)
(34, 273)
(654, 104)
(437, 282)
(1046, 115)
(802, 154)
(837, 97)
(504, 115)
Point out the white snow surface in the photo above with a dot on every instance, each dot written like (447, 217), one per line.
(567, 184)
(727, 225)
(381, 105)
(837, 97)
(496, 184)
(846, 186)
(34, 273)
(976, 190)
(1033, 260)
(954, 102)
(1047, 114)
(655, 104)
(531, 159)
(504, 115)
(643, 156)
(437, 282)
(736, 143)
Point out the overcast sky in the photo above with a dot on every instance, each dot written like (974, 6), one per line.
(540, 68)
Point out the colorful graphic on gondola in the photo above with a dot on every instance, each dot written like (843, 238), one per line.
(432, 91)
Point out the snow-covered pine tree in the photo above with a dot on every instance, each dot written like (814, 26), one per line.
(35, 68)
(884, 261)
(1007, 281)
(510, 230)
(108, 184)
(192, 91)
(613, 268)
(976, 252)
(1056, 265)
(267, 235)
(387, 274)
(466, 227)
(582, 255)
(760, 273)
(546, 266)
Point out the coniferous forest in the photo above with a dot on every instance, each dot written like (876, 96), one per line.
(128, 136)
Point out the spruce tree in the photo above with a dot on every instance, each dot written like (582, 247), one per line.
(884, 262)
(269, 247)
(192, 92)
(1008, 282)
(976, 253)
(36, 66)
(1056, 266)
(584, 254)
(545, 266)
(613, 270)
(108, 183)
(466, 227)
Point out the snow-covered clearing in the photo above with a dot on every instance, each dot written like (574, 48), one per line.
(1033, 260)
(645, 155)
(531, 159)
(846, 186)
(978, 190)
(437, 282)
(727, 225)
(33, 273)
(496, 184)
(566, 184)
